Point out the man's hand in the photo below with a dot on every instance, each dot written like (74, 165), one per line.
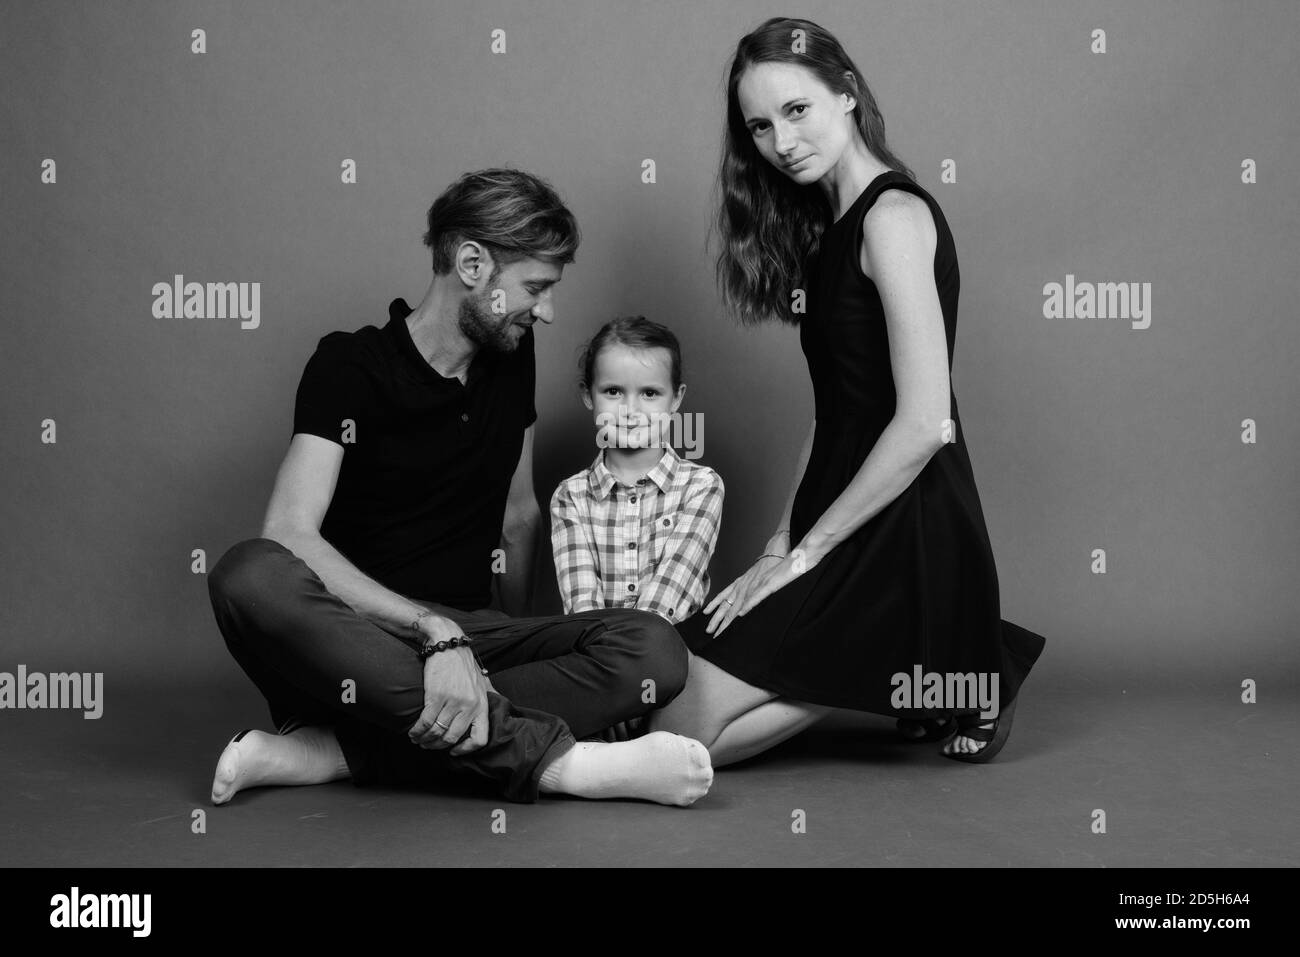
(455, 696)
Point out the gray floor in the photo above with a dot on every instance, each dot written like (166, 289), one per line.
(1186, 778)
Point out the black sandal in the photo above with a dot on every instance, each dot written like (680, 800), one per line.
(932, 729)
(968, 726)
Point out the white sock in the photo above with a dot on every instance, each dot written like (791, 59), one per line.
(661, 767)
(308, 755)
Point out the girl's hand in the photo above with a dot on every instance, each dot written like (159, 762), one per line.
(729, 601)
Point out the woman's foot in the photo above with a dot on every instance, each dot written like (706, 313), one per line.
(662, 767)
(963, 744)
(308, 755)
(977, 740)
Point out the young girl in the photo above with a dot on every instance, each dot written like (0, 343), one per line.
(637, 528)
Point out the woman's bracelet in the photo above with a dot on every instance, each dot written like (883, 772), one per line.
(779, 531)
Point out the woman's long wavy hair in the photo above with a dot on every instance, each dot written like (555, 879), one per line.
(770, 227)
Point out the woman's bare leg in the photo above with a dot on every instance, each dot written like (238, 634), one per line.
(730, 717)
(764, 727)
(711, 700)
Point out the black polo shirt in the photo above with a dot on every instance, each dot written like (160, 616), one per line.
(427, 461)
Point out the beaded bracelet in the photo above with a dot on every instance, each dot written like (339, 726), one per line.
(431, 647)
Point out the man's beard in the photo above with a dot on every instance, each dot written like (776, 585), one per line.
(481, 326)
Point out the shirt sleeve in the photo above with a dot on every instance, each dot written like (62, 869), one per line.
(577, 571)
(333, 394)
(677, 587)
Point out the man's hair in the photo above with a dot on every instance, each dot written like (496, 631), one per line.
(514, 214)
(638, 332)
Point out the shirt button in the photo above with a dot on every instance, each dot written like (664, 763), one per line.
(464, 416)
(631, 544)
(665, 521)
(632, 499)
(640, 481)
(631, 587)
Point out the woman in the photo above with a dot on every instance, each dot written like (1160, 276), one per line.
(891, 568)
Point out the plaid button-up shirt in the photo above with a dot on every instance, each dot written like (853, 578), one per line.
(644, 546)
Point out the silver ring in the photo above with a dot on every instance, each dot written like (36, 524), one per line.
(728, 601)
(439, 724)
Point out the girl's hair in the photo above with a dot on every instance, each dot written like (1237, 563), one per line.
(771, 227)
(637, 332)
(516, 215)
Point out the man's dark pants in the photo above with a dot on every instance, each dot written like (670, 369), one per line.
(558, 678)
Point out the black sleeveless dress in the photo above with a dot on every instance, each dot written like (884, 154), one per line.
(916, 584)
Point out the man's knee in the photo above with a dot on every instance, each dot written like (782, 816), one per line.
(242, 572)
(661, 656)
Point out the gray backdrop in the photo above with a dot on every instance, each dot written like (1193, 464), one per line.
(1122, 166)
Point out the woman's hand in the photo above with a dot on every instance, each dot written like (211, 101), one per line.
(776, 577)
(729, 601)
(767, 575)
(732, 599)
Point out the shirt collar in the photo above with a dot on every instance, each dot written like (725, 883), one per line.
(396, 327)
(601, 480)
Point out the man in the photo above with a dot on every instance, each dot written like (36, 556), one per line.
(410, 473)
